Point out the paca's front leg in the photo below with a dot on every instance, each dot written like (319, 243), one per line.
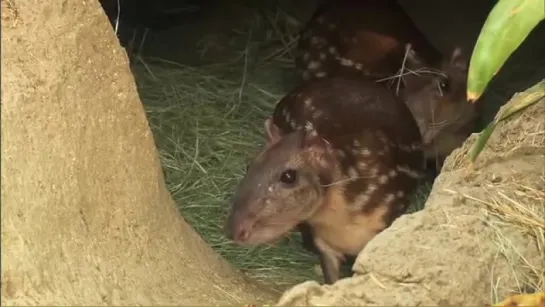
(330, 261)
(307, 238)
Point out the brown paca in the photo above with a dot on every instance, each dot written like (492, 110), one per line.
(359, 38)
(342, 156)
(374, 39)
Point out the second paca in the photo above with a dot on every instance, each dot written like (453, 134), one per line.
(342, 156)
(359, 38)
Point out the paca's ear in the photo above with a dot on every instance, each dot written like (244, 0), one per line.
(272, 130)
(318, 149)
(458, 59)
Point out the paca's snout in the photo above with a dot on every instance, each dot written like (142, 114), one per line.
(239, 228)
(241, 232)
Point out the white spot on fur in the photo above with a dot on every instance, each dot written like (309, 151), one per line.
(392, 173)
(341, 153)
(321, 74)
(308, 102)
(356, 143)
(371, 188)
(374, 172)
(332, 49)
(313, 65)
(361, 200)
(400, 194)
(383, 179)
(270, 189)
(389, 198)
(358, 66)
(309, 127)
(365, 152)
(353, 173)
(346, 62)
(322, 56)
(362, 165)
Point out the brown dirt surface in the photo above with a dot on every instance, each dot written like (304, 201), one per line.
(86, 217)
(479, 239)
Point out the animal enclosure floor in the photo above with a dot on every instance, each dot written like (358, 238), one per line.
(206, 110)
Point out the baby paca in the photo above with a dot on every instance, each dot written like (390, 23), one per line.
(342, 156)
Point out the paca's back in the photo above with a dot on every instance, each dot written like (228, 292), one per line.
(340, 107)
(359, 38)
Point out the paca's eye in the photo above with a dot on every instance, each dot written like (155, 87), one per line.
(444, 84)
(289, 176)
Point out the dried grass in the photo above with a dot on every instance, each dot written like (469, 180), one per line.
(207, 122)
(518, 201)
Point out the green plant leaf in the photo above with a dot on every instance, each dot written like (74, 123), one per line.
(481, 141)
(507, 26)
(529, 97)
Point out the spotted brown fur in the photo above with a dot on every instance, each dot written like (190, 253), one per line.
(359, 38)
(371, 39)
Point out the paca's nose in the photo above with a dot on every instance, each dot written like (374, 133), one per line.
(242, 235)
(242, 230)
(238, 230)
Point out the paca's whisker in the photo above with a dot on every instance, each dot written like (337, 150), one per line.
(339, 182)
(438, 124)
